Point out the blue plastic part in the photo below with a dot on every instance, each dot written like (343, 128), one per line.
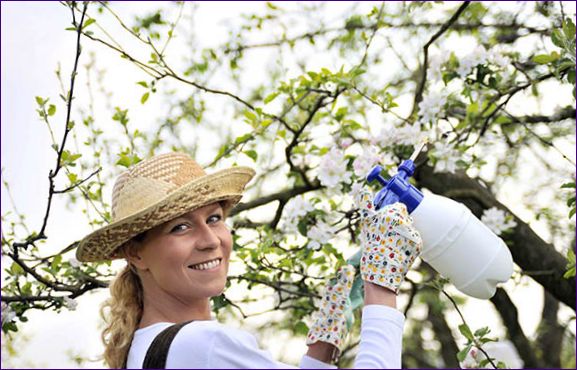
(397, 188)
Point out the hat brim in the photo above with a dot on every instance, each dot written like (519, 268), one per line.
(222, 186)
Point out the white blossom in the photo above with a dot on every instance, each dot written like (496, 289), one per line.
(435, 64)
(497, 220)
(431, 106)
(468, 62)
(70, 303)
(7, 313)
(367, 160)
(333, 169)
(497, 57)
(356, 191)
(318, 235)
(404, 135)
(297, 207)
(446, 156)
(345, 142)
(74, 262)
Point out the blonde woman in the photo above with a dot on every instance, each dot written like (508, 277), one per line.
(168, 224)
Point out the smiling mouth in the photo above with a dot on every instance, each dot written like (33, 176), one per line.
(208, 265)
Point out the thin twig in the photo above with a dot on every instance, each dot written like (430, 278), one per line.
(425, 65)
(77, 184)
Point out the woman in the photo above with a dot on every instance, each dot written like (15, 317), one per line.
(168, 224)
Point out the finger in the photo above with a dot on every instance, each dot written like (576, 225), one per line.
(346, 274)
(364, 201)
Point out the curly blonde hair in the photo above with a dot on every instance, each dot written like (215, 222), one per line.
(121, 314)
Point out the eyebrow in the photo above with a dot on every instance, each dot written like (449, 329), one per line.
(214, 207)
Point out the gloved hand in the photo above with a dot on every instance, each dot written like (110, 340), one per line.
(330, 324)
(389, 242)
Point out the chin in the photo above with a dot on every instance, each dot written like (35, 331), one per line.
(215, 290)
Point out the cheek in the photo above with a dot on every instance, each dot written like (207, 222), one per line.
(226, 239)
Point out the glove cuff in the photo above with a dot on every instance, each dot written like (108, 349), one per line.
(329, 329)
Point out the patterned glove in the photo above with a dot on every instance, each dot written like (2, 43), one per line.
(390, 244)
(330, 324)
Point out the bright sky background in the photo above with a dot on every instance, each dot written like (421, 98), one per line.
(33, 43)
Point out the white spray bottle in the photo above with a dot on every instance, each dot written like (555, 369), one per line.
(455, 242)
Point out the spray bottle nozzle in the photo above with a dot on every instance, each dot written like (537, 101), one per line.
(398, 188)
(375, 174)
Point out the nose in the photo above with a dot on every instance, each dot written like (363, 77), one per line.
(207, 238)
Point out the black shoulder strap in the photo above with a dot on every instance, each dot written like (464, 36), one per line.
(158, 351)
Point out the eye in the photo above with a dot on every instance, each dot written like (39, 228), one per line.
(178, 228)
(214, 218)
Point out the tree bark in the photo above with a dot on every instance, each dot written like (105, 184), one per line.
(509, 315)
(529, 251)
(449, 348)
(550, 335)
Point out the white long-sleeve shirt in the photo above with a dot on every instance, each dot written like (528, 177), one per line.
(210, 345)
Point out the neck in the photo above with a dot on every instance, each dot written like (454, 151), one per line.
(161, 306)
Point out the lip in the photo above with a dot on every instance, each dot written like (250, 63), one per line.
(216, 268)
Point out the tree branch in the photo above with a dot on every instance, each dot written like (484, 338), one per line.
(550, 333)
(284, 195)
(425, 65)
(508, 312)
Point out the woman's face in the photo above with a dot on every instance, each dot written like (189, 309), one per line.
(188, 256)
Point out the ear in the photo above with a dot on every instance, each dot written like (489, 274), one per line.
(132, 253)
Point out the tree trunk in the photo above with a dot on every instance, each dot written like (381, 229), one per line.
(449, 348)
(550, 336)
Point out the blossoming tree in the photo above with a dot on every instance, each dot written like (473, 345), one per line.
(313, 99)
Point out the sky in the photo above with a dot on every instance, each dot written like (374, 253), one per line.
(34, 43)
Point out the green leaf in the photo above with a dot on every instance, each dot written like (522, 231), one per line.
(545, 58)
(51, 109)
(473, 108)
(569, 29)
(16, 270)
(250, 115)
(301, 328)
(242, 139)
(557, 38)
(72, 177)
(341, 113)
(120, 116)
(124, 161)
(142, 83)
(144, 97)
(68, 159)
(265, 122)
(88, 22)
(568, 185)
(461, 125)
(482, 332)
(502, 120)
(40, 101)
(252, 154)
(466, 331)
(463, 353)
(270, 97)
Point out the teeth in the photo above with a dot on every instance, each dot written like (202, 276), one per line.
(206, 265)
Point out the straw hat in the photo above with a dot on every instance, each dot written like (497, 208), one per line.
(157, 190)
